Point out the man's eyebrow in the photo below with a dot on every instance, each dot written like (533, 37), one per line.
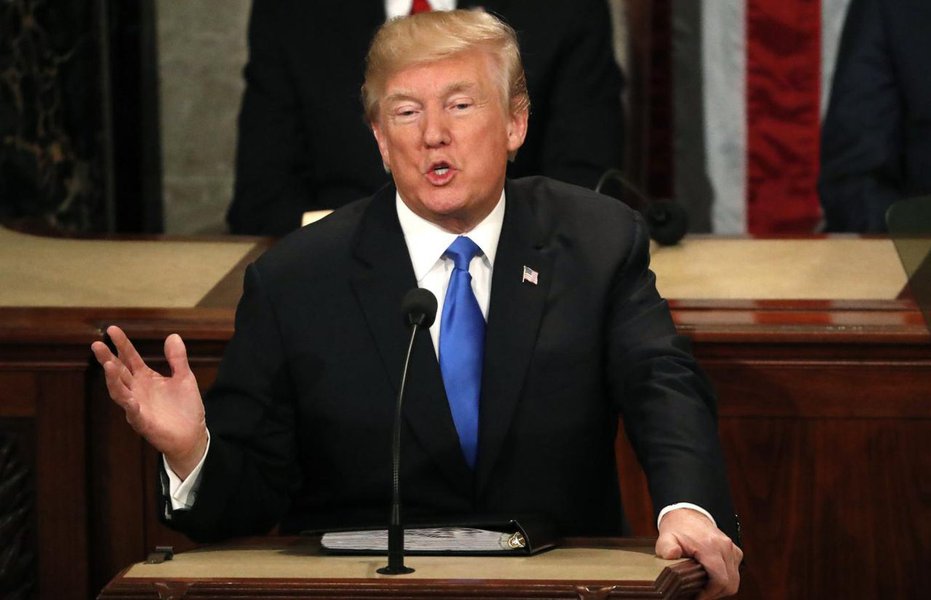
(400, 97)
(459, 86)
(452, 88)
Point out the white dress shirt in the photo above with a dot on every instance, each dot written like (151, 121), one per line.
(426, 243)
(400, 8)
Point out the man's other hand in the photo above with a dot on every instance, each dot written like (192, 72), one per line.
(685, 532)
(167, 411)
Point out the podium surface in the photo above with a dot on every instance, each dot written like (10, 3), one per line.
(59, 272)
(276, 567)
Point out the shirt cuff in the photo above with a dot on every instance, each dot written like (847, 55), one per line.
(688, 505)
(184, 493)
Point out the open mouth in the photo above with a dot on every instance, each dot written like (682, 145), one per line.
(440, 173)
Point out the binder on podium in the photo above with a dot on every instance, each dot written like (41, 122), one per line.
(909, 224)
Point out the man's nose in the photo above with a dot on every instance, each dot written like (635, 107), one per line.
(436, 128)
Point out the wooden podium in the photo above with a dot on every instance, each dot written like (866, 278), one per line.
(821, 364)
(294, 567)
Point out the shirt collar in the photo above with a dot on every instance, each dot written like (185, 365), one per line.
(426, 241)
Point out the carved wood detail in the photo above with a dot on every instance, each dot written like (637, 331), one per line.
(17, 552)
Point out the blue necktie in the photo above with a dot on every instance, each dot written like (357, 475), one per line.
(462, 343)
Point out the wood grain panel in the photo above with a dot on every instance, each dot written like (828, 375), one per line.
(61, 485)
(819, 389)
(18, 393)
(871, 509)
(18, 551)
(118, 504)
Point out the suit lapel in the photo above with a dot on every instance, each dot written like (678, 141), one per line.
(382, 274)
(514, 315)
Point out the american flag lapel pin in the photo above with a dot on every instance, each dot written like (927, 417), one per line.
(530, 276)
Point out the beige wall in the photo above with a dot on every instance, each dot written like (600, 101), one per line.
(201, 53)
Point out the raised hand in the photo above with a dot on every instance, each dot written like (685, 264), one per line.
(685, 532)
(167, 411)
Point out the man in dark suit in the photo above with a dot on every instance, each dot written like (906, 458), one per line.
(300, 416)
(302, 145)
(876, 138)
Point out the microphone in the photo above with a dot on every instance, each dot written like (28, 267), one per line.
(419, 307)
(666, 219)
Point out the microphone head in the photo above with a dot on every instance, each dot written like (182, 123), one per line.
(419, 307)
(667, 220)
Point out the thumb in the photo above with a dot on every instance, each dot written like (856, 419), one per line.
(176, 354)
(668, 547)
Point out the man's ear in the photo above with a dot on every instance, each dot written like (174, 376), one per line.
(517, 130)
(382, 146)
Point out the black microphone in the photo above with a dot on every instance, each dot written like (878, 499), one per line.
(667, 220)
(419, 307)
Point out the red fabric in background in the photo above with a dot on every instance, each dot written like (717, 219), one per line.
(419, 6)
(783, 117)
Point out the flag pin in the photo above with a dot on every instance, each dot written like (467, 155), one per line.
(530, 275)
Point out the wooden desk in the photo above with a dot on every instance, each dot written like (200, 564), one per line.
(292, 567)
(825, 412)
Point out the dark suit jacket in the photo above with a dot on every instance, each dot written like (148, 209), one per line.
(303, 144)
(301, 413)
(876, 138)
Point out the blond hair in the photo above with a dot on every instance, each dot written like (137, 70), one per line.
(431, 36)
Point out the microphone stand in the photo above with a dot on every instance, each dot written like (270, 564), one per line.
(395, 529)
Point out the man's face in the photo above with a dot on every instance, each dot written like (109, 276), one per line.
(443, 131)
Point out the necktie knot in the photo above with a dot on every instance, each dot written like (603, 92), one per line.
(462, 251)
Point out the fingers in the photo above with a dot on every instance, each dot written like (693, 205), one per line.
(127, 352)
(112, 367)
(734, 558)
(118, 376)
(667, 546)
(686, 532)
(717, 578)
(176, 353)
(102, 353)
(723, 573)
(119, 388)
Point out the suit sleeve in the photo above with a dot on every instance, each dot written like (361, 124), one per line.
(666, 402)
(251, 470)
(583, 128)
(272, 158)
(862, 139)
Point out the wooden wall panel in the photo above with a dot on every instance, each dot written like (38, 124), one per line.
(117, 493)
(19, 547)
(61, 483)
(829, 458)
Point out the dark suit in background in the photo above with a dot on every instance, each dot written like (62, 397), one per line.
(876, 138)
(303, 144)
(301, 412)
